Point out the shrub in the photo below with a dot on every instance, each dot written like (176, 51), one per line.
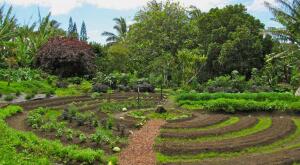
(62, 84)
(9, 98)
(66, 57)
(82, 138)
(18, 93)
(21, 74)
(100, 88)
(103, 136)
(75, 80)
(95, 95)
(145, 87)
(29, 96)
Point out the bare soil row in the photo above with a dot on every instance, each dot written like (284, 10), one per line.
(244, 123)
(285, 157)
(281, 127)
(199, 121)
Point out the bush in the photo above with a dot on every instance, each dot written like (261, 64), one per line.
(62, 84)
(100, 88)
(66, 57)
(29, 96)
(9, 98)
(145, 87)
(75, 80)
(103, 136)
(21, 74)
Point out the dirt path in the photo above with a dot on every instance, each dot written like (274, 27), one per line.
(140, 150)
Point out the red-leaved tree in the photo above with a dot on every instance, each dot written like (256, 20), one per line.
(66, 57)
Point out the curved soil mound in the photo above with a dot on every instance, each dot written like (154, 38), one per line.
(201, 120)
(287, 157)
(243, 123)
(280, 128)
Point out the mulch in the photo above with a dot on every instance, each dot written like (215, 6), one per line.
(140, 150)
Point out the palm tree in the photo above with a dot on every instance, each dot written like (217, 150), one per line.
(287, 13)
(121, 28)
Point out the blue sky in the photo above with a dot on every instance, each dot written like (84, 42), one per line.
(98, 14)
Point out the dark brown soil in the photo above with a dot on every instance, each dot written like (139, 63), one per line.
(281, 127)
(286, 157)
(201, 120)
(245, 122)
(60, 101)
(140, 149)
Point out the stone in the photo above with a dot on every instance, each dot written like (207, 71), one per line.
(116, 149)
(124, 109)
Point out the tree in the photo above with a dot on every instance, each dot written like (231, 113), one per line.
(70, 28)
(66, 57)
(286, 61)
(121, 28)
(287, 14)
(160, 29)
(7, 32)
(75, 32)
(228, 36)
(83, 33)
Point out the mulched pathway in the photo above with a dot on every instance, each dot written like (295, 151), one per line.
(140, 150)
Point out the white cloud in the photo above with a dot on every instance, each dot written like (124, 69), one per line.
(259, 6)
(58, 7)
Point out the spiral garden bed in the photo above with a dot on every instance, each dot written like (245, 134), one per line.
(237, 139)
(82, 129)
(82, 121)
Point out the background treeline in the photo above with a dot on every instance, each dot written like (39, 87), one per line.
(222, 50)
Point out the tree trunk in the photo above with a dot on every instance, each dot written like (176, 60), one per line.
(298, 92)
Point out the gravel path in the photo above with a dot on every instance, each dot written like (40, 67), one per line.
(140, 149)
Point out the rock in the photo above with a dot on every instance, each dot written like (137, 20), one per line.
(160, 109)
(116, 149)
(124, 109)
(122, 118)
(297, 92)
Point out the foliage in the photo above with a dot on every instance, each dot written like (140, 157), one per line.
(83, 33)
(244, 102)
(35, 150)
(104, 136)
(26, 87)
(21, 74)
(118, 106)
(235, 83)
(121, 28)
(66, 57)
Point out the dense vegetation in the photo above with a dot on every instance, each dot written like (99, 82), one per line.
(244, 102)
(197, 54)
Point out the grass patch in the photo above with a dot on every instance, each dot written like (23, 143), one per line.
(263, 124)
(230, 121)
